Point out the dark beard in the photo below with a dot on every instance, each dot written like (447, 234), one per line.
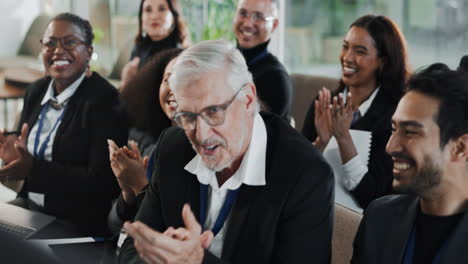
(424, 180)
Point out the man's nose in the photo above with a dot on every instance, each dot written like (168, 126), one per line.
(202, 129)
(393, 144)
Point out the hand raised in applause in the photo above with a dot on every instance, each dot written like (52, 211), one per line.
(129, 70)
(14, 150)
(129, 168)
(342, 117)
(323, 119)
(182, 246)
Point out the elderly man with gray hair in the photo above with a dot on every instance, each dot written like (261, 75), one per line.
(230, 184)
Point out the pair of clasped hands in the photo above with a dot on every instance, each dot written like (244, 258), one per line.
(13, 151)
(181, 245)
(333, 117)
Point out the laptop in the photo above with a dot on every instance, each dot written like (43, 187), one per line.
(22, 222)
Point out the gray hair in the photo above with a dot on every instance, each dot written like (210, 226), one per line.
(210, 56)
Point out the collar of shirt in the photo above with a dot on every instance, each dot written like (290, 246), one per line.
(63, 96)
(367, 103)
(252, 168)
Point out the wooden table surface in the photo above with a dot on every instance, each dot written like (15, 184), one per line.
(8, 90)
(13, 81)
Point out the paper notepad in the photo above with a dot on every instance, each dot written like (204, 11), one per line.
(362, 141)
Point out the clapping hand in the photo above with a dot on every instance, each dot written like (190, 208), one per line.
(129, 168)
(342, 116)
(14, 152)
(129, 70)
(323, 119)
(182, 245)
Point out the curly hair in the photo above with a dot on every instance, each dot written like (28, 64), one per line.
(141, 93)
(82, 23)
(180, 27)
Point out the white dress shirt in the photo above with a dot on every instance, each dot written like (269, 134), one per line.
(250, 172)
(354, 170)
(51, 117)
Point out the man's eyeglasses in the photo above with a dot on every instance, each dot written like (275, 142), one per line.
(213, 115)
(255, 17)
(68, 43)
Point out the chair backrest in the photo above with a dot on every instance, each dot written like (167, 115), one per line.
(30, 45)
(306, 88)
(345, 225)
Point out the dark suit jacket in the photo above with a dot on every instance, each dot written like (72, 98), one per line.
(287, 221)
(386, 227)
(377, 181)
(78, 183)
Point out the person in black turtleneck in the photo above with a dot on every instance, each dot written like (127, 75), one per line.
(428, 221)
(254, 23)
(161, 27)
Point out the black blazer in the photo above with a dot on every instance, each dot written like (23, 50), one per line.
(78, 183)
(377, 181)
(287, 221)
(385, 229)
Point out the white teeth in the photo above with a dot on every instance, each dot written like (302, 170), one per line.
(61, 62)
(172, 103)
(210, 147)
(401, 165)
(247, 34)
(348, 69)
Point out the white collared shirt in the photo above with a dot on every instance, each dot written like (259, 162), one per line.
(250, 172)
(354, 170)
(51, 117)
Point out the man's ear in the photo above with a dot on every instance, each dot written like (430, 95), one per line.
(460, 149)
(275, 25)
(250, 95)
(90, 50)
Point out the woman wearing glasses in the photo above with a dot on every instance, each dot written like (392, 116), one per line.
(161, 26)
(67, 116)
(150, 106)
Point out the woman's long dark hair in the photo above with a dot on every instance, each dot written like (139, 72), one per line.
(180, 27)
(391, 47)
(141, 93)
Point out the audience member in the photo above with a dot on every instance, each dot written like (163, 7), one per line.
(71, 112)
(151, 115)
(254, 23)
(160, 26)
(427, 222)
(149, 101)
(463, 66)
(373, 60)
(227, 155)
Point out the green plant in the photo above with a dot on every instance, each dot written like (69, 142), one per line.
(98, 34)
(338, 13)
(213, 23)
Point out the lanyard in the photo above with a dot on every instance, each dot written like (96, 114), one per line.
(223, 214)
(257, 58)
(40, 154)
(149, 170)
(410, 246)
(356, 117)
